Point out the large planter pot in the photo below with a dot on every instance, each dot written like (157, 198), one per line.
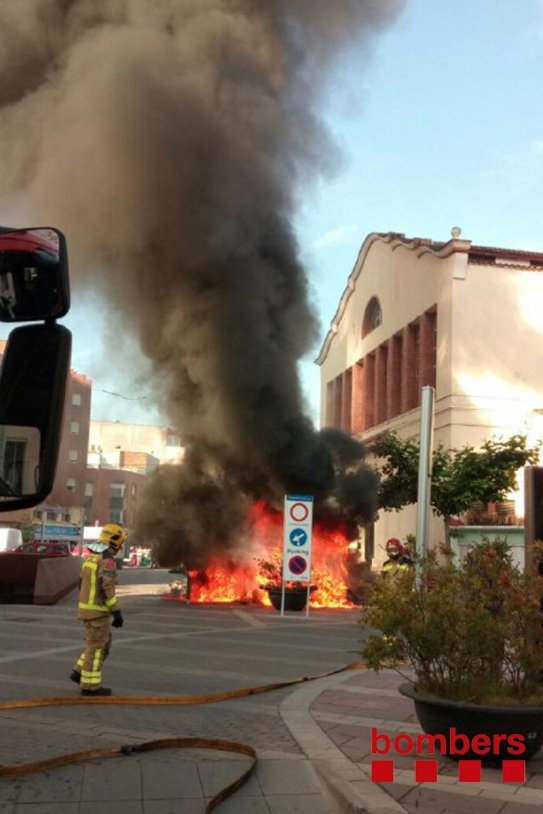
(438, 715)
(295, 598)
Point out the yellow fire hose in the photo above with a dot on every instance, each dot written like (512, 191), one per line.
(165, 743)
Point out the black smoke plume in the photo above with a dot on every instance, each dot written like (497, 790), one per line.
(170, 139)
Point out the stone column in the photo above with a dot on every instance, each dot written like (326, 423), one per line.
(381, 383)
(357, 402)
(427, 348)
(394, 377)
(369, 391)
(409, 374)
(346, 399)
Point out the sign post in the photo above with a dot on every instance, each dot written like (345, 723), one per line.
(425, 470)
(297, 536)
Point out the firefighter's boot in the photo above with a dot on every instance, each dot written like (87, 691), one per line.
(75, 676)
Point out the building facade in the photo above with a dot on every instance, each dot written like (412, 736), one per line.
(111, 496)
(69, 486)
(116, 444)
(460, 317)
(121, 459)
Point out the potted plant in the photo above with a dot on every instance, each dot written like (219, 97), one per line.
(472, 632)
(270, 573)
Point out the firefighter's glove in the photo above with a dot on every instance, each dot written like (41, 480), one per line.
(117, 619)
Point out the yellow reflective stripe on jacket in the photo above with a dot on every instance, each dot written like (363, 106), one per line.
(91, 565)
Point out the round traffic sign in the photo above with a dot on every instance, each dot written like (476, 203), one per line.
(298, 537)
(297, 564)
(299, 512)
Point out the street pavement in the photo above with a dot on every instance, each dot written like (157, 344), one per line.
(164, 648)
(312, 740)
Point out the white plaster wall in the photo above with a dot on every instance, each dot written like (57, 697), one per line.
(407, 282)
(489, 349)
(497, 340)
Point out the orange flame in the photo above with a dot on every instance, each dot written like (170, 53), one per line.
(226, 580)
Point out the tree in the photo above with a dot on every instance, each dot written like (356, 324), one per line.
(459, 477)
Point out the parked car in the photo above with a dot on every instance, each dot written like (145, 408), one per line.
(49, 549)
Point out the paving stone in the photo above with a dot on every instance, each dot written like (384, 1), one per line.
(50, 808)
(286, 777)
(61, 785)
(113, 807)
(172, 806)
(534, 781)
(216, 775)
(517, 808)
(117, 779)
(420, 809)
(244, 805)
(9, 789)
(462, 799)
(297, 804)
(171, 779)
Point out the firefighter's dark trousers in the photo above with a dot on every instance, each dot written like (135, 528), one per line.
(97, 645)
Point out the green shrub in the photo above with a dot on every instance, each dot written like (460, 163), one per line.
(472, 630)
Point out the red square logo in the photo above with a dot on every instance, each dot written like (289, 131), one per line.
(514, 771)
(426, 771)
(469, 771)
(382, 771)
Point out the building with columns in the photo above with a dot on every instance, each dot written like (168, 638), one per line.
(463, 318)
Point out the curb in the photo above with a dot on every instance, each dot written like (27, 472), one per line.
(349, 784)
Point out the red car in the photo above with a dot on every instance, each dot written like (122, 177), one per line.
(50, 549)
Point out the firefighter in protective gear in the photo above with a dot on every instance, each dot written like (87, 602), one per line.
(398, 561)
(97, 603)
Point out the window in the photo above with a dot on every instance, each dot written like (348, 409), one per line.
(116, 497)
(51, 515)
(87, 502)
(14, 455)
(71, 484)
(116, 516)
(73, 456)
(173, 441)
(117, 489)
(89, 489)
(76, 399)
(373, 317)
(74, 427)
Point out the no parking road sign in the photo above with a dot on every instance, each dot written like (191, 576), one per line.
(297, 565)
(298, 526)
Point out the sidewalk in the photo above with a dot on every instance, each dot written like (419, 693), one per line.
(312, 740)
(332, 721)
(165, 783)
(182, 650)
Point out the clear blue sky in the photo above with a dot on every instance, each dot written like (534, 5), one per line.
(442, 127)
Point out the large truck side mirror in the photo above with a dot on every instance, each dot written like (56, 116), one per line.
(34, 281)
(35, 370)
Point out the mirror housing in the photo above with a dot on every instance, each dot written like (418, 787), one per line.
(34, 282)
(33, 379)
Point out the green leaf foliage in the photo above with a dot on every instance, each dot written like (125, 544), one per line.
(459, 477)
(472, 630)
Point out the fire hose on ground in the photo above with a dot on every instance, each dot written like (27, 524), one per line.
(164, 743)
